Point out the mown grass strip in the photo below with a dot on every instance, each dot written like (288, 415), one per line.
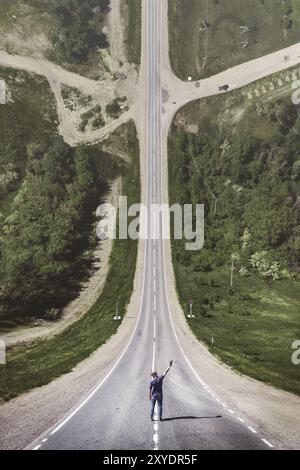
(132, 12)
(207, 37)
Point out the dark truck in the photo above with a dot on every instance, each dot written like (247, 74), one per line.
(224, 88)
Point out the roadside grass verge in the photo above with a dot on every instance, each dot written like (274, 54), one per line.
(132, 14)
(253, 328)
(45, 360)
(212, 36)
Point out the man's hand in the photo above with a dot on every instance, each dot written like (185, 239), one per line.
(170, 365)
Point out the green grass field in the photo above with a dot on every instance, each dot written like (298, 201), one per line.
(214, 30)
(38, 364)
(253, 329)
(254, 324)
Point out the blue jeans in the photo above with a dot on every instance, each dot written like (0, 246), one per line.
(159, 400)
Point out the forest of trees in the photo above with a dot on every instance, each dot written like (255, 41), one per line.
(77, 27)
(45, 240)
(250, 188)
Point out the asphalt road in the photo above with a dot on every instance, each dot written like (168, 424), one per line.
(116, 416)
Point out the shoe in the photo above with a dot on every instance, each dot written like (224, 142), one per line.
(161, 419)
(151, 419)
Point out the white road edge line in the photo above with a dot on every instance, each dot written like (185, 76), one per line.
(252, 430)
(106, 377)
(206, 387)
(268, 443)
(201, 381)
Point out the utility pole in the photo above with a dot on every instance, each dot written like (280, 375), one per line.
(232, 269)
(215, 202)
(208, 60)
(234, 258)
(245, 29)
(117, 314)
(190, 315)
(205, 26)
(204, 62)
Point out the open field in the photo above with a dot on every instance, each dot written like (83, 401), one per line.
(70, 35)
(45, 360)
(25, 27)
(238, 154)
(208, 36)
(253, 329)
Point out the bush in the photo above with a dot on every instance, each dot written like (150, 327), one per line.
(83, 124)
(53, 314)
(78, 29)
(98, 123)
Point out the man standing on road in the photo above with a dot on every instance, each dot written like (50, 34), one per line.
(156, 392)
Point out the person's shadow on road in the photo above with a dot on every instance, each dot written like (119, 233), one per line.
(191, 417)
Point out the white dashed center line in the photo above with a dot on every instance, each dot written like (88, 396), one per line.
(155, 416)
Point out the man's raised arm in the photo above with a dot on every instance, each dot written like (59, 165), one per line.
(170, 365)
